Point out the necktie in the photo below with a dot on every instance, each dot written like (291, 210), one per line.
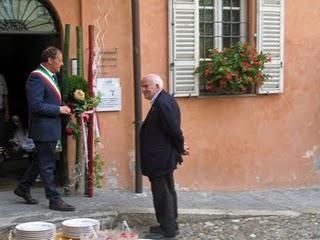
(54, 77)
(55, 80)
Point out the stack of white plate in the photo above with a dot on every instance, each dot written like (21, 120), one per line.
(35, 231)
(73, 228)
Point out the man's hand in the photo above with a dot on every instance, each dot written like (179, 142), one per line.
(65, 110)
(186, 150)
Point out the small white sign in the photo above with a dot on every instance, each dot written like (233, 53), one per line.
(110, 92)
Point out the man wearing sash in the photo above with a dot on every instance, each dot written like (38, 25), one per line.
(45, 110)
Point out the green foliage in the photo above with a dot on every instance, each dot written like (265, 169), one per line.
(76, 82)
(79, 97)
(88, 103)
(236, 69)
(98, 164)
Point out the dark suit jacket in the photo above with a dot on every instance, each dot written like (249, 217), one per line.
(161, 137)
(44, 109)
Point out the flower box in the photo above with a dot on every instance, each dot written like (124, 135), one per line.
(235, 70)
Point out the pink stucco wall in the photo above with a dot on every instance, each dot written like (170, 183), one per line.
(237, 143)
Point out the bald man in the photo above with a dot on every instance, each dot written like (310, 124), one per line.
(162, 147)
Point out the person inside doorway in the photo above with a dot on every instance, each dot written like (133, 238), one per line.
(4, 110)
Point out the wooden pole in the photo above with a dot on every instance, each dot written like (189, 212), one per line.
(80, 161)
(65, 91)
(91, 131)
(79, 51)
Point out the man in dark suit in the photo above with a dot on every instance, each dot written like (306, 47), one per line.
(45, 110)
(162, 147)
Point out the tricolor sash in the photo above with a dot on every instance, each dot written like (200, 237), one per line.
(44, 75)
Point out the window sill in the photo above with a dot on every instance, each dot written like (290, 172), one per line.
(227, 95)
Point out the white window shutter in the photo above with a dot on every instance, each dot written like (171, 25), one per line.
(270, 40)
(184, 47)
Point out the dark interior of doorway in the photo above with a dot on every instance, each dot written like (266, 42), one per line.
(19, 55)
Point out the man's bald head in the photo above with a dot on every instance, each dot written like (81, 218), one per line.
(151, 84)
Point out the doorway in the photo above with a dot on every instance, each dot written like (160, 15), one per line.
(25, 30)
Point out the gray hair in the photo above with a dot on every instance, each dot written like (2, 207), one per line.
(155, 79)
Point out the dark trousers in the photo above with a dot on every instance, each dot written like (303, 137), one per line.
(165, 201)
(44, 163)
(2, 128)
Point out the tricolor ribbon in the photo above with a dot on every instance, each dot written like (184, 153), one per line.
(49, 80)
(84, 117)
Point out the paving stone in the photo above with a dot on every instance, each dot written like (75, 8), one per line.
(303, 227)
(266, 215)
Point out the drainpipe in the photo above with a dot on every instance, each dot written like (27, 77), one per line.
(135, 6)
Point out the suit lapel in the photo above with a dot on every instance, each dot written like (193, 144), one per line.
(152, 108)
(149, 114)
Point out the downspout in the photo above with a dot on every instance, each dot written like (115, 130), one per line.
(135, 8)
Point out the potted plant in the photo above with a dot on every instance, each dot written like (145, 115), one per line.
(235, 70)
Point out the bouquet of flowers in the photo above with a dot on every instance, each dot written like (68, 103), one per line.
(80, 102)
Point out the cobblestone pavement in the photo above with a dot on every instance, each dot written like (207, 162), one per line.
(287, 214)
(302, 227)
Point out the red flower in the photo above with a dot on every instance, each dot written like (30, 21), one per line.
(85, 117)
(209, 86)
(260, 74)
(216, 51)
(268, 58)
(206, 73)
(69, 131)
(245, 66)
(223, 82)
(256, 63)
(229, 76)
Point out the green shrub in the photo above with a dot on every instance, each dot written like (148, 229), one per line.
(76, 82)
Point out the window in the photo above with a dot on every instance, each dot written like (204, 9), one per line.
(221, 23)
(26, 16)
(199, 25)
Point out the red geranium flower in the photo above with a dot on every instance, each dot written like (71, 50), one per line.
(209, 86)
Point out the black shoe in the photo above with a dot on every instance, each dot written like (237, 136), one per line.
(158, 236)
(25, 195)
(158, 229)
(169, 235)
(60, 205)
